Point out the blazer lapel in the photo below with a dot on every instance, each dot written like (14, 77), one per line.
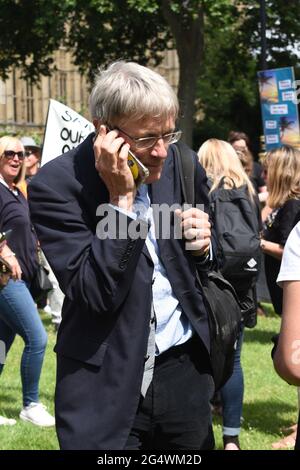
(163, 189)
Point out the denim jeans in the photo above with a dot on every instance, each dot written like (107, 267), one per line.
(18, 315)
(232, 394)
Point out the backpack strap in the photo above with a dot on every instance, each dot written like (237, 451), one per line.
(223, 181)
(186, 167)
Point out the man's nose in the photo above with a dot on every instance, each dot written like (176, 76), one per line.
(159, 149)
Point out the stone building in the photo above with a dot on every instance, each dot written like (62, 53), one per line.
(23, 106)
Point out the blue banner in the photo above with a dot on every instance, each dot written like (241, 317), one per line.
(279, 107)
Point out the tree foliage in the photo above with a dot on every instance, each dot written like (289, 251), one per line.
(218, 45)
(96, 31)
(227, 86)
(99, 31)
(31, 30)
(283, 30)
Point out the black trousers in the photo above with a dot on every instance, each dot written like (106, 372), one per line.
(176, 413)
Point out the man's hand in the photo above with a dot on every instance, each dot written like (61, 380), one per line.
(196, 230)
(111, 163)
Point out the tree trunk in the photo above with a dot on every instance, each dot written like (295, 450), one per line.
(188, 36)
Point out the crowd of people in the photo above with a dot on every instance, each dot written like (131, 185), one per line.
(18, 312)
(133, 345)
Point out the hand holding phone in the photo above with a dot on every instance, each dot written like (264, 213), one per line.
(111, 163)
(138, 170)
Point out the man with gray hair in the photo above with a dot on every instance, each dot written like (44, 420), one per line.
(133, 368)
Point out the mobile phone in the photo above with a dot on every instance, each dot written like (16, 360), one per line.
(139, 171)
(5, 235)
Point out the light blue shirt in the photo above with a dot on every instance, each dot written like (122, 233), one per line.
(172, 326)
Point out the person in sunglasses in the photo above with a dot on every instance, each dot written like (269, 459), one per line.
(133, 368)
(32, 163)
(33, 157)
(18, 313)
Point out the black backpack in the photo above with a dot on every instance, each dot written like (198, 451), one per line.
(237, 228)
(222, 304)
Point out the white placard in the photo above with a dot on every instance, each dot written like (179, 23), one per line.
(271, 124)
(285, 84)
(278, 109)
(288, 96)
(65, 129)
(272, 139)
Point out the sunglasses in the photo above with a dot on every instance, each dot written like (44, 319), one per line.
(10, 154)
(31, 152)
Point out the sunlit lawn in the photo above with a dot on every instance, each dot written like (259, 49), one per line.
(270, 404)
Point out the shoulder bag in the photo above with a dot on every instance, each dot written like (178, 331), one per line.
(222, 304)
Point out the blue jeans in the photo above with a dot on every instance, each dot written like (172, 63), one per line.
(232, 394)
(18, 315)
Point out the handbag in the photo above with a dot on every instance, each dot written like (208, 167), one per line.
(224, 320)
(224, 311)
(41, 284)
(5, 272)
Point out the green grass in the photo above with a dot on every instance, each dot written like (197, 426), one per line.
(24, 435)
(269, 404)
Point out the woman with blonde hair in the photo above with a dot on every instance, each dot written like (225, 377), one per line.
(18, 313)
(283, 181)
(220, 161)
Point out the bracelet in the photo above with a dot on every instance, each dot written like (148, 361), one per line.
(9, 256)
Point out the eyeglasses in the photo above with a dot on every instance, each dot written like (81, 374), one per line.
(10, 154)
(147, 142)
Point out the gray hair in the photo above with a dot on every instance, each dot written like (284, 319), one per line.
(127, 90)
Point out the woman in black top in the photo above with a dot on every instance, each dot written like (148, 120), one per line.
(283, 180)
(18, 313)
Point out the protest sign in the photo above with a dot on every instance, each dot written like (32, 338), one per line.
(279, 107)
(65, 129)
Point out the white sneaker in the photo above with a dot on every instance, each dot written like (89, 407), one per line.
(37, 414)
(56, 317)
(7, 421)
(47, 309)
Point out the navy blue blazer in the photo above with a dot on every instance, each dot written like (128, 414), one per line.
(102, 340)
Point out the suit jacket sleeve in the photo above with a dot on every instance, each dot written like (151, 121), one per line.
(94, 272)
